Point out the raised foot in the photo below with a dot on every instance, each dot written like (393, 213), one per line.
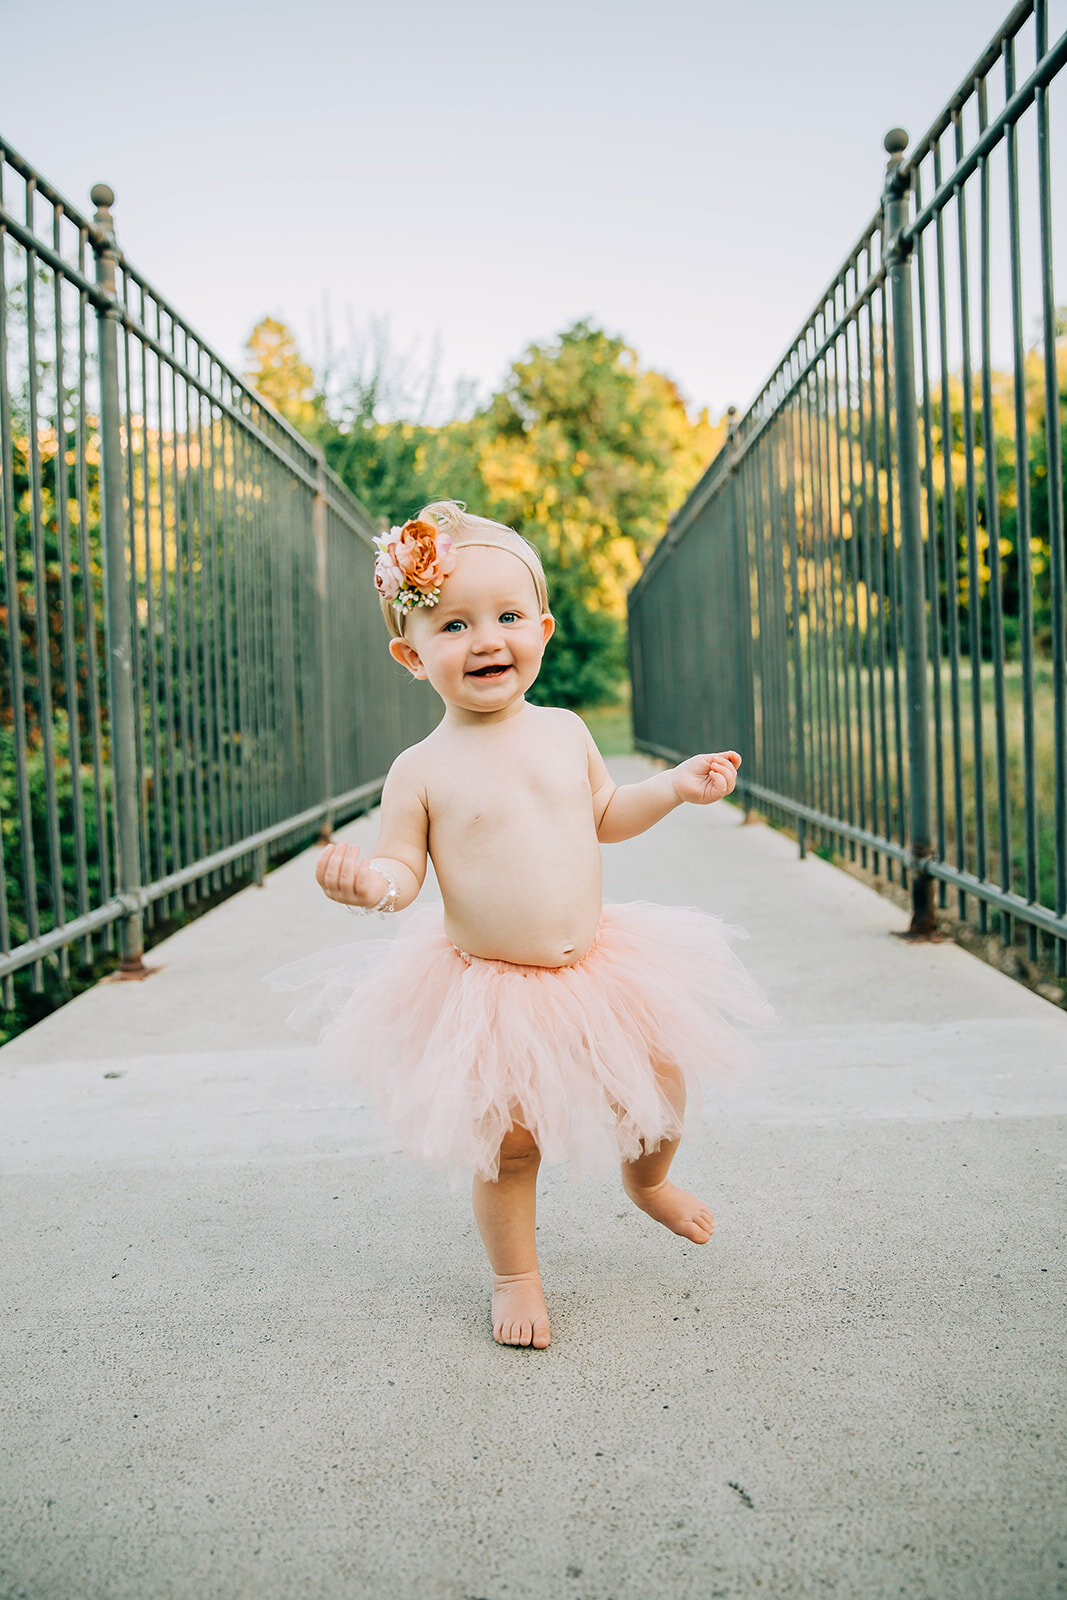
(681, 1212)
(520, 1315)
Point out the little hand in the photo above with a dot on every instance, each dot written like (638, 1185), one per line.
(344, 877)
(703, 779)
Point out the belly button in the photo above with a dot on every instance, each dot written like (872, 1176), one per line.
(567, 948)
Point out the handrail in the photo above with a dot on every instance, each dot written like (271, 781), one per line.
(866, 591)
(181, 577)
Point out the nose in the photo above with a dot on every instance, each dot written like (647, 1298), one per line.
(486, 640)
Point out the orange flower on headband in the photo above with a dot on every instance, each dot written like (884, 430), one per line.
(424, 555)
(412, 563)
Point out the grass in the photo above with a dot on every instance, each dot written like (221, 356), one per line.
(971, 785)
(611, 727)
(968, 786)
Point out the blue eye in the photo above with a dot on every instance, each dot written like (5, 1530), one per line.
(509, 616)
(451, 627)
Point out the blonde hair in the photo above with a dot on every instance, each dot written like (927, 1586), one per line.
(452, 517)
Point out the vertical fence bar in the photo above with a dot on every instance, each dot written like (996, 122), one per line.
(970, 526)
(932, 570)
(896, 822)
(992, 517)
(868, 534)
(1054, 490)
(116, 591)
(739, 556)
(319, 522)
(800, 768)
(126, 386)
(913, 600)
(1024, 528)
(89, 603)
(43, 664)
(166, 527)
(950, 553)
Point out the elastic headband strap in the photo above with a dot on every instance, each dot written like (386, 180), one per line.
(524, 556)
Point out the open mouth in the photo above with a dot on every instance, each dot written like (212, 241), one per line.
(490, 672)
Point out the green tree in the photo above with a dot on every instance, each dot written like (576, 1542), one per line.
(587, 454)
(275, 367)
(590, 454)
(582, 450)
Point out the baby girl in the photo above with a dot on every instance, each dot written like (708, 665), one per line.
(529, 1021)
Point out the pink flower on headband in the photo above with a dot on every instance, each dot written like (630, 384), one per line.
(412, 563)
(387, 576)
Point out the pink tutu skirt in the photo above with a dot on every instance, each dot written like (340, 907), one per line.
(452, 1049)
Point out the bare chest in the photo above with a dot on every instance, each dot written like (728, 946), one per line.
(501, 795)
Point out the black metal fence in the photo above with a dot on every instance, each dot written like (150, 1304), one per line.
(194, 675)
(865, 593)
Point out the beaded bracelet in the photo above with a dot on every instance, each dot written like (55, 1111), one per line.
(388, 900)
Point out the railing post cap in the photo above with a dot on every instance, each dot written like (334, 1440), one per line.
(103, 230)
(896, 141)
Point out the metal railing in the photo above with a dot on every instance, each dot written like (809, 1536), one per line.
(194, 675)
(865, 592)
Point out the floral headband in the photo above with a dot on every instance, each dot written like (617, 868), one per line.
(412, 563)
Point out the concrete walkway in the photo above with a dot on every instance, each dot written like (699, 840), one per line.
(246, 1350)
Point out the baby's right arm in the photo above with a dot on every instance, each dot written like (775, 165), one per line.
(400, 846)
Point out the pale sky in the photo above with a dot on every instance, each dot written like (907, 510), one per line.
(687, 174)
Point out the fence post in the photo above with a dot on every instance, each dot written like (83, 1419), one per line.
(746, 733)
(898, 257)
(319, 531)
(118, 621)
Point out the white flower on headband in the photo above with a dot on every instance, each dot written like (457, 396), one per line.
(412, 563)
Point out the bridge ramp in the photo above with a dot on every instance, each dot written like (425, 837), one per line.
(246, 1348)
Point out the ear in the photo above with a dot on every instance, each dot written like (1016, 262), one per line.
(403, 651)
(548, 627)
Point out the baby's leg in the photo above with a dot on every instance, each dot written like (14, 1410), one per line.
(506, 1213)
(645, 1180)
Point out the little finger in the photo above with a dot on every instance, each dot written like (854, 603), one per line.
(352, 870)
(324, 864)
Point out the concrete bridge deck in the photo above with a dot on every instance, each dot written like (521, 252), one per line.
(246, 1352)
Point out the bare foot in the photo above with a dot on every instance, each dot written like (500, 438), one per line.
(520, 1315)
(681, 1212)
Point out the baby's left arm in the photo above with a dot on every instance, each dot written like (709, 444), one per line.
(623, 813)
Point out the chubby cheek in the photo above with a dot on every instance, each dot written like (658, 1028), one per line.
(454, 652)
(449, 657)
(533, 647)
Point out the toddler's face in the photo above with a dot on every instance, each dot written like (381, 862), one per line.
(481, 645)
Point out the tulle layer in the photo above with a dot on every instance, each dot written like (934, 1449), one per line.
(453, 1049)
